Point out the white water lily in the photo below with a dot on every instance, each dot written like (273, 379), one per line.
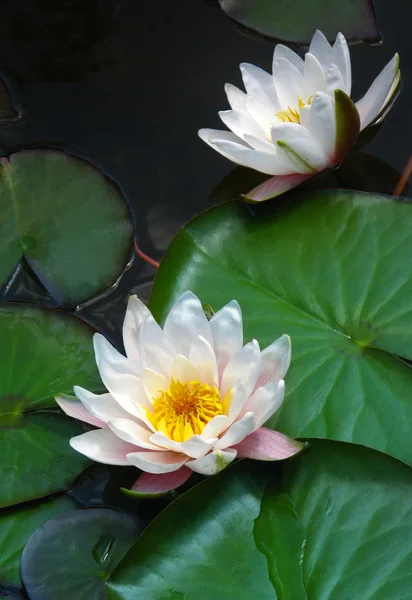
(188, 397)
(300, 120)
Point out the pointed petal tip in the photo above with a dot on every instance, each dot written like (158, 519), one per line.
(269, 445)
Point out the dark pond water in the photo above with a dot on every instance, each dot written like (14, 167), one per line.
(128, 83)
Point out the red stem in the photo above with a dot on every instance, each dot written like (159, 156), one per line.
(403, 179)
(146, 258)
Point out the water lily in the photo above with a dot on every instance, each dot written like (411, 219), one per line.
(188, 397)
(300, 120)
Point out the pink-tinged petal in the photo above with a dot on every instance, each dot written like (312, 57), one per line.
(133, 433)
(103, 406)
(103, 446)
(156, 351)
(195, 447)
(237, 432)
(375, 98)
(273, 187)
(155, 485)
(203, 358)
(215, 427)
(75, 409)
(265, 444)
(347, 124)
(135, 314)
(183, 370)
(244, 366)
(185, 321)
(157, 462)
(212, 463)
(275, 361)
(227, 332)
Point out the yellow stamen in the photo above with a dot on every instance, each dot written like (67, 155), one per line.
(185, 409)
(292, 115)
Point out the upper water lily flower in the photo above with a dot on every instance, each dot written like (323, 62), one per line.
(300, 120)
(188, 397)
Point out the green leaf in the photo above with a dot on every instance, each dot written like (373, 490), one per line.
(334, 523)
(331, 269)
(288, 21)
(36, 458)
(201, 546)
(72, 556)
(16, 526)
(338, 526)
(69, 221)
(43, 352)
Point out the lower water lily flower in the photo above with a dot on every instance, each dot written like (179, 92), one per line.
(300, 120)
(188, 397)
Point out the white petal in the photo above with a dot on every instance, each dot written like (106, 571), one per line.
(103, 446)
(155, 349)
(241, 124)
(185, 321)
(236, 97)
(321, 48)
(135, 313)
(246, 157)
(126, 389)
(212, 463)
(262, 112)
(227, 331)
(203, 358)
(320, 120)
(259, 83)
(282, 51)
(374, 100)
(195, 447)
(103, 406)
(315, 80)
(238, 398)
(243, 366)
(275, 361)
(288, 82)
(75, 409)
(157, 462)
(289, 131)
(265, 402)
(183, 370)
(105, 353)
(307, 155)
(334, 79)
(154, 383)
(215, 427)
(237, 432)
(261, 143)
(132, 432)
(341, 57)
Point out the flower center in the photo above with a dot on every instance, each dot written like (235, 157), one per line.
(185, 409)
(292, 115)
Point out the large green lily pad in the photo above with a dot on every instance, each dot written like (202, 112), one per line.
(333, 523)
(16, 526)
(43, 352)
(94, 542)
(333, 270)
(294, 22)
(67, 219)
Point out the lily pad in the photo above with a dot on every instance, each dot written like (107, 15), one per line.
(67, 219)
(295, 23)
(333, 523)
(16, 526)
(95, 541)
(42, 352)
(332, 269)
